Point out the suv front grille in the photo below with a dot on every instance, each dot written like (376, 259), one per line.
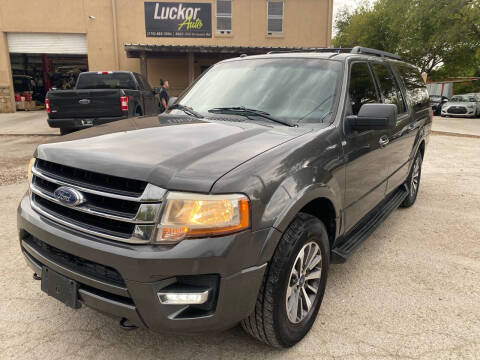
(112, 213)
(95, 223)
(91, 179)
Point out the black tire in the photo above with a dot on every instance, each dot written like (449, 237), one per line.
(270, 321)
(138, 111)
(413, 190)
(65, 131)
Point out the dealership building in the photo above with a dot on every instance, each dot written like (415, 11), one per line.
(45, 44)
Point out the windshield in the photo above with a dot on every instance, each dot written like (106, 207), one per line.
(105, 81)
(291, 90)
(435, 98)
(459, 98)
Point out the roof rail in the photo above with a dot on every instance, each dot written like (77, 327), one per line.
(319, 50)
(355, 50)
(368, 51)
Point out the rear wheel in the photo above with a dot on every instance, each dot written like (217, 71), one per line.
(138, 111)
(293, 286)
(413, 181)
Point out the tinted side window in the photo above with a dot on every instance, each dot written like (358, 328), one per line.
(145, 83)
(362, 88)
(139, 81)
(417, 93)
(388, 87)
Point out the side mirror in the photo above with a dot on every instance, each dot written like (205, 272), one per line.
(374, 117)
(171, 101)
(156, 90)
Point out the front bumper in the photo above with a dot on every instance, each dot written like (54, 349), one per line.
(146, 269)
(468, 113)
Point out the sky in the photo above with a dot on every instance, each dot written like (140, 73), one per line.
(339, 4)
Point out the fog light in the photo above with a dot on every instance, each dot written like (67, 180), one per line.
(179, 298)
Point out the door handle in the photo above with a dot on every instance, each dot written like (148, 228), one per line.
(384, 141)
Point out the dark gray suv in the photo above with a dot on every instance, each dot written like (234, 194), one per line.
(230, 206)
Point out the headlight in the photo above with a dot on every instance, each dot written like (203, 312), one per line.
(29, 173)
(188, 215)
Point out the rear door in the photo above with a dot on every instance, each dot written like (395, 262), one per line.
(366, 165)
(401, 137)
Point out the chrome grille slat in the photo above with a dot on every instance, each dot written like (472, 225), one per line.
(83, 189)
(97, 205)
(137, 219)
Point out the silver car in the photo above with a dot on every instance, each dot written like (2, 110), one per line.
(462, 106)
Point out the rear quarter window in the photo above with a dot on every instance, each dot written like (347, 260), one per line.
(417, 94)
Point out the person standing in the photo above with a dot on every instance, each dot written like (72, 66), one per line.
(163, 95)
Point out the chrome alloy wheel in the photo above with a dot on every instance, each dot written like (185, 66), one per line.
(303, 282)
(415, 177)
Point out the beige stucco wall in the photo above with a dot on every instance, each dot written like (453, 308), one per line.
(306, 23)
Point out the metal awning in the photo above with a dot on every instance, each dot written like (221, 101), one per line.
(136, 50)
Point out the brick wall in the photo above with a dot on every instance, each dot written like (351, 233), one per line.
(6, 104)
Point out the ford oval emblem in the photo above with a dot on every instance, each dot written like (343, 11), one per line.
(68, 196)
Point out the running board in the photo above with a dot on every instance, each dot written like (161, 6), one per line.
(363, 230)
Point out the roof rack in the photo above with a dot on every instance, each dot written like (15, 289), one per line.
(368, 51)
(355, 50)
(319, 50)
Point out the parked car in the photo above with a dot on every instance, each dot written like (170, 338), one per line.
(230, 206)
(477, 98)
(436, 102)
(101, 97)
(462, 106)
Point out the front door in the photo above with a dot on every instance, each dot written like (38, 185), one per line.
(366, 167)
(149, 100)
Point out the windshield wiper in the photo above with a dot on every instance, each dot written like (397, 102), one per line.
(187, 110)
(244, 111)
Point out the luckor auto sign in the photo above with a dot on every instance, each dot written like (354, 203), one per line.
(178, 19)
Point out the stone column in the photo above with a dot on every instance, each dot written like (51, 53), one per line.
(7, 98)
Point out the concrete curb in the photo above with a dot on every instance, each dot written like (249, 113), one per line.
(445, 133)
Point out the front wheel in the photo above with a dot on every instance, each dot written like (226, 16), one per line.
(293, 285)
(413, 181)
(65, 131)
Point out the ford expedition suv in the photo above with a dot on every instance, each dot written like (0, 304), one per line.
(101, 97)
(230, 206)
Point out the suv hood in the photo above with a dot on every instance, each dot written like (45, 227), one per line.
(465, 104)
(173, 152)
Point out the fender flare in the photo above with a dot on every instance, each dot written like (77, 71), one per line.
(310, 193)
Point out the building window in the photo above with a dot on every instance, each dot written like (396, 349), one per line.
(224, 16)
(275, 17)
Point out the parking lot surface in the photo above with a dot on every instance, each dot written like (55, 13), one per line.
(26, 122)
(411, 291)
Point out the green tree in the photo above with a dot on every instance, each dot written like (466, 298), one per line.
(431, 34)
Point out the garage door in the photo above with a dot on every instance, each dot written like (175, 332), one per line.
(42, 43)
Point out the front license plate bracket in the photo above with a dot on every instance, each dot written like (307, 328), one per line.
(60, 287)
